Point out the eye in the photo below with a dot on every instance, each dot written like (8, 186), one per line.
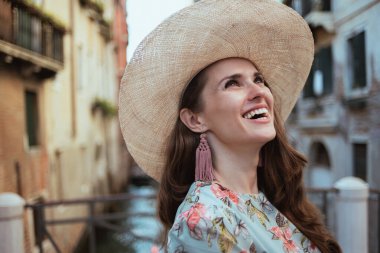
(259, 79)
(230, 83)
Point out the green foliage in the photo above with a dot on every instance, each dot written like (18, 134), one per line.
(41, 13)
(106, 107)
(96, 5)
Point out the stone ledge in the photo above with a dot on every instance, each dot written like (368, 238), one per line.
(39, 60)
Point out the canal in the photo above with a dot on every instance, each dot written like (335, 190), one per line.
(143, 231)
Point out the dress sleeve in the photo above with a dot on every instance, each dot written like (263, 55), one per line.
(201, 229)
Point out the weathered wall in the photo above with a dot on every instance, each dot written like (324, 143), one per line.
(33, 161)
(335, 119)
(79, 149)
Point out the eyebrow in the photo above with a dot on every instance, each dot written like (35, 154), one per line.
(237, 76)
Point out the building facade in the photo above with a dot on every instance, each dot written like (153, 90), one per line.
(336, 121)
(60, 64)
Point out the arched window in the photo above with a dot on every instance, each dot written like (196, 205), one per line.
(319, 155)
(319, 173)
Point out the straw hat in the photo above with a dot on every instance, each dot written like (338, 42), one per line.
(271, 35)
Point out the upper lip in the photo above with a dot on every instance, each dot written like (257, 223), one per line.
(259, 106)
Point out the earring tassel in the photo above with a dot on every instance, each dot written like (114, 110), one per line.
(203, 160)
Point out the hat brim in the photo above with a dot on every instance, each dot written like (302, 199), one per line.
(269, 34)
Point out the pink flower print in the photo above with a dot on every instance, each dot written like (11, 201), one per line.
(198, 186)
(285, 235)
(233, 197)
(276, 231)
(290, 246)
(154, 249)
(223, 193)
(193, 216)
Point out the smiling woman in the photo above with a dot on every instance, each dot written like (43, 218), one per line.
(232, 93)
(230, 181)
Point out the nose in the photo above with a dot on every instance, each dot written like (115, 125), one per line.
(254, 91)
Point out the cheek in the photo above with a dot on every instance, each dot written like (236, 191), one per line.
(270, 97)
(226, 103)
(222, 107)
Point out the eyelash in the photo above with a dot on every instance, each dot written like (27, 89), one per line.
(258, 79)
(230, 83)
(261, 79)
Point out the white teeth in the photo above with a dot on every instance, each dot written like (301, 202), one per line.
(251, 114)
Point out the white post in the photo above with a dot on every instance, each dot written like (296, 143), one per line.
(11, 223)
(352, 214)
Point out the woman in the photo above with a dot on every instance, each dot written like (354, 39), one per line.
(202, 106)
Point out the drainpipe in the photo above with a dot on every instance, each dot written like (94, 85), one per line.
(73, 71)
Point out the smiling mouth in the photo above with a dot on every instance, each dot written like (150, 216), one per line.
(257, 114)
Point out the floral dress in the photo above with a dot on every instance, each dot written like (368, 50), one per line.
(215, 219)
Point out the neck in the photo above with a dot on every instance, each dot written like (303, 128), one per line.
(236, 168)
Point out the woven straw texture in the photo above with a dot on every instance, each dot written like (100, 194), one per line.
(271, 35)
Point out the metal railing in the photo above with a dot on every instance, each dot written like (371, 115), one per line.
(27, 27)
(92, 219)
(323, 198)
(374, 221)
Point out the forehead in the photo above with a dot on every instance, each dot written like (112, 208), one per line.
(229, 66)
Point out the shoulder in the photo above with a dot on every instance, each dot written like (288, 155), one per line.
(208, 197)
(201, 201)
(204, 219)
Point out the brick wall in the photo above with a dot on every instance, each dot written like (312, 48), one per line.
(32, 162)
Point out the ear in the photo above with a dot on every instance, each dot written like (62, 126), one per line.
(192, 120)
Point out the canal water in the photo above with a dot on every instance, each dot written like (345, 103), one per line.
(139, 227)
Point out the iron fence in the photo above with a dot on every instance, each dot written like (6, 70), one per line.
(92, 219)
(374, 221)
(324, 199)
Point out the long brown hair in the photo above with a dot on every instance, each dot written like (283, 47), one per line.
(280, 179)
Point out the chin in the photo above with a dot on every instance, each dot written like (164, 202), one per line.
(264, 138)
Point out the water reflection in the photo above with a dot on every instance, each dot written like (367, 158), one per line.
(143, 226)
(143, 231)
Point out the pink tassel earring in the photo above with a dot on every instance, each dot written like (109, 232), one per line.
(203, 162)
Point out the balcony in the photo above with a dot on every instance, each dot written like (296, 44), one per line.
(31, 40)
(95, 10)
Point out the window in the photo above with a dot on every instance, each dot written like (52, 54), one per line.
(320, 156)
(47, 39)
(31, 109)
(319, 173)
(304, 7)
(322, 5)
(357, 61)
(320, 80)
(360, 160)
(81, 73)
(57, 45)
(36, 26)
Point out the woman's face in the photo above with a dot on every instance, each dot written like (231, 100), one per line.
(237, 107)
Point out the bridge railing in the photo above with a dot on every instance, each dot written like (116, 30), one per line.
(91, 219)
